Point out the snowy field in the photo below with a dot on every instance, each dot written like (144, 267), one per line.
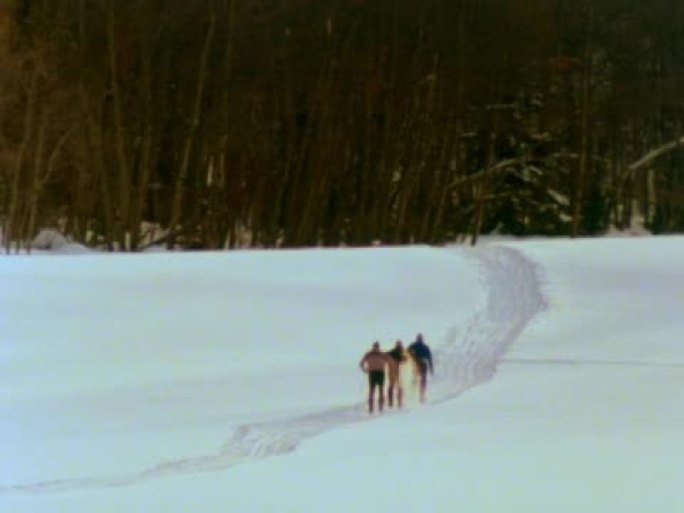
(220, 382)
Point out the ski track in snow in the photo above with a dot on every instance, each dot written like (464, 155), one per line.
(467, 358)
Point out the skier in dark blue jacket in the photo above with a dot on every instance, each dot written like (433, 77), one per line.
(422, 356)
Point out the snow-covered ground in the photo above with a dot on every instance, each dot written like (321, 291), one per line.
(229, 381)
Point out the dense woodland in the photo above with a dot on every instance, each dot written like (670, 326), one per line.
(289, 123)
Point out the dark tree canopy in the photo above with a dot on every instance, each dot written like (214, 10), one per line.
(284, 123)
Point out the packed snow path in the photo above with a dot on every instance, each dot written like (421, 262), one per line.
(467, 358)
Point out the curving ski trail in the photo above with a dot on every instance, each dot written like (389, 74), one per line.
(514, 297)
(466, 359)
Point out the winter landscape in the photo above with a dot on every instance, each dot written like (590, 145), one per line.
(211, 210)
(228, 381)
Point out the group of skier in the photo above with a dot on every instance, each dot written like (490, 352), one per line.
(387, 366)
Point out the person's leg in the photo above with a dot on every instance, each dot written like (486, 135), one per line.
(381, 390)
(376, 380)
(390, 391)
(371, 390)
(422, 369)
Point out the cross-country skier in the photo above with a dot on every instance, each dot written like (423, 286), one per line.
(374, 363)
(422, 357)
(397, 358)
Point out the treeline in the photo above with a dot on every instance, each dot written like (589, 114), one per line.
(284, 123)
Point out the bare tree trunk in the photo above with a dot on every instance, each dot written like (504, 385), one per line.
(435, 197)
(12, 228)
(481, 188)
(35, 185)
(145, 152)
(123, 175)
(182, 173)
(584, 125)
(95, 150)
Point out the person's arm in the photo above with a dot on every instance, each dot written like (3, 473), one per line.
(362, 363)
(429, 359)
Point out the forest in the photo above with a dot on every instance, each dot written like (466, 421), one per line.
(212, 124)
